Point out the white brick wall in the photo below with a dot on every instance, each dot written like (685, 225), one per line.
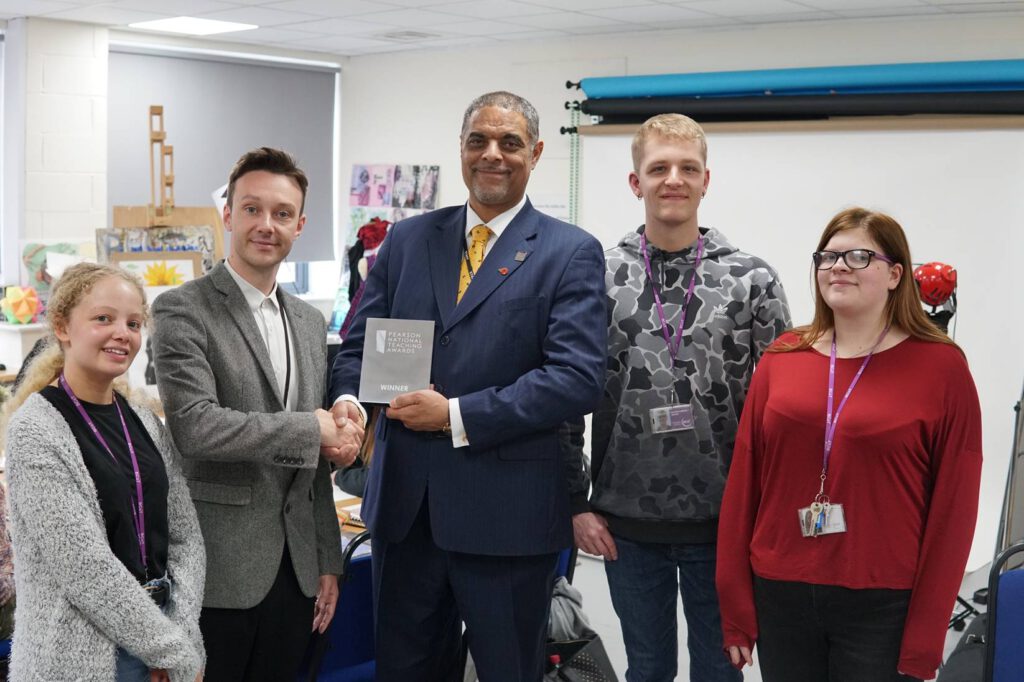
(65, 133)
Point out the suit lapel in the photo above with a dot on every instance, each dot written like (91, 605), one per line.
(301, 339)
(500, 264)
(238, 310)
(444, 248)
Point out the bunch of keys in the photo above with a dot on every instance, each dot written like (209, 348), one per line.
(821, 518)
(819, 511)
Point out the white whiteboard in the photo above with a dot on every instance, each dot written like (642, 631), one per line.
(959, 194)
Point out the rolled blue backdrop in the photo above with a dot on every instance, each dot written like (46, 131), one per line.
(974, 76)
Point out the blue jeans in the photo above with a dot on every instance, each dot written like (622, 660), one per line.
(643, 583)
(130, 668)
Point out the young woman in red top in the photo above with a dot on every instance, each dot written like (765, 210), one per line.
(851, 500)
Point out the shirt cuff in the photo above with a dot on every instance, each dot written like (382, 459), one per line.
(459, 437)
(355, 401)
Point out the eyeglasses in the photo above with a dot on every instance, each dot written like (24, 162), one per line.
(855, 259)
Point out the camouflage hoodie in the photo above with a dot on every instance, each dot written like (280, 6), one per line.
(668, 487)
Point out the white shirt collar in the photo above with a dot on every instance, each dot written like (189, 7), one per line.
(253, 296)
(498, 223)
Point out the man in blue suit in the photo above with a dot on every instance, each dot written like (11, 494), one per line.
(466, 499)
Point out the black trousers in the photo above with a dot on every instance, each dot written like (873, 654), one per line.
(424, 595)
(824, 633)
(265, 643)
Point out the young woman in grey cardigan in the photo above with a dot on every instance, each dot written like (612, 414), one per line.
(100, 515)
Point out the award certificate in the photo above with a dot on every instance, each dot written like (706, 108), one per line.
(396, 358)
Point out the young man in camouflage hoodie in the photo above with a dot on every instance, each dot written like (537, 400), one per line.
(664, 433)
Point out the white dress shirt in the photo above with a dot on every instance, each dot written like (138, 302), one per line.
(273, 325)
(497, 224)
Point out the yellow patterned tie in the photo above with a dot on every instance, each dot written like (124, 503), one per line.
(480, 234)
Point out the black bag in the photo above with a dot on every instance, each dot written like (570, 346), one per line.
(580, 660)
(967, 662)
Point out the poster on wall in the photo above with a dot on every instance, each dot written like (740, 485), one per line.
(406, 186)
(391, 192)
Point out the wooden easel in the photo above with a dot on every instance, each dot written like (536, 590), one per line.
(161, 164)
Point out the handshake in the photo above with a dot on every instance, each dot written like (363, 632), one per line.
(341, 432)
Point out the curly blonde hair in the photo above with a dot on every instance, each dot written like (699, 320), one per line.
(76, 282)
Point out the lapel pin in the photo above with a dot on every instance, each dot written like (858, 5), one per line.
(503, 271)
(520, 256)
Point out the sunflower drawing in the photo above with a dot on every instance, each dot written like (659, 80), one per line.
(161, 274)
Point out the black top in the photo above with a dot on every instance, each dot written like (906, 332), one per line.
(115, 482)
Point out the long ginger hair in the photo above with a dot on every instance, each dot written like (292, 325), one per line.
(903, 308)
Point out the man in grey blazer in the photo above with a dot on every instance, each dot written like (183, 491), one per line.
(241, 370)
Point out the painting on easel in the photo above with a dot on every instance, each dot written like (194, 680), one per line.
(199, 239)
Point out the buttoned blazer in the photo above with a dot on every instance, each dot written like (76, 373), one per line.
(254, 470)
(523, 351)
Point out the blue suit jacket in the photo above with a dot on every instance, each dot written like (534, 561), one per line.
(523, 351)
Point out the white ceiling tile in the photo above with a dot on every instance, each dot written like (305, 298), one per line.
(353, 26)
(858, 5)
(260, 16)
(411, 18)
(964, 2)
(491, 9)
(343, 27)
(784, 17)
(736, 8)
(889, 12)
(569, 20)
(459, 41)
(610, 29)
(342, 44)
(532, 35)
(414, 3)
(177, 8)
(986, 7)
(268, 35)
(585, 5)
(106, 14)
(32, 8)
(329, 8)
(481, 28)
(649, 14)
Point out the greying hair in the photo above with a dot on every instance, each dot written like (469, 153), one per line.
(505, 100)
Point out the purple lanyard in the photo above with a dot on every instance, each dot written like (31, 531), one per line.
(138, 512)
(673, 346)
(830, 420)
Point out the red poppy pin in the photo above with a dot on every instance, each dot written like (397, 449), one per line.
(503, 271)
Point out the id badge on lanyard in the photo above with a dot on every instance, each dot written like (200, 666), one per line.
(677, 417)
(670, 418)
(822, 516)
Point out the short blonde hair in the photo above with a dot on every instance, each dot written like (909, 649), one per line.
(672, 126)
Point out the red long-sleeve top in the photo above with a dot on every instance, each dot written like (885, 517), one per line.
(905, 465)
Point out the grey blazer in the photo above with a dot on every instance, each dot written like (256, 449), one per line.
(254, 470)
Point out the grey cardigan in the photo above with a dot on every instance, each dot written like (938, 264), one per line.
(76, 601)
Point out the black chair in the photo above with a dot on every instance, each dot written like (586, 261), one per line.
(345, 653)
